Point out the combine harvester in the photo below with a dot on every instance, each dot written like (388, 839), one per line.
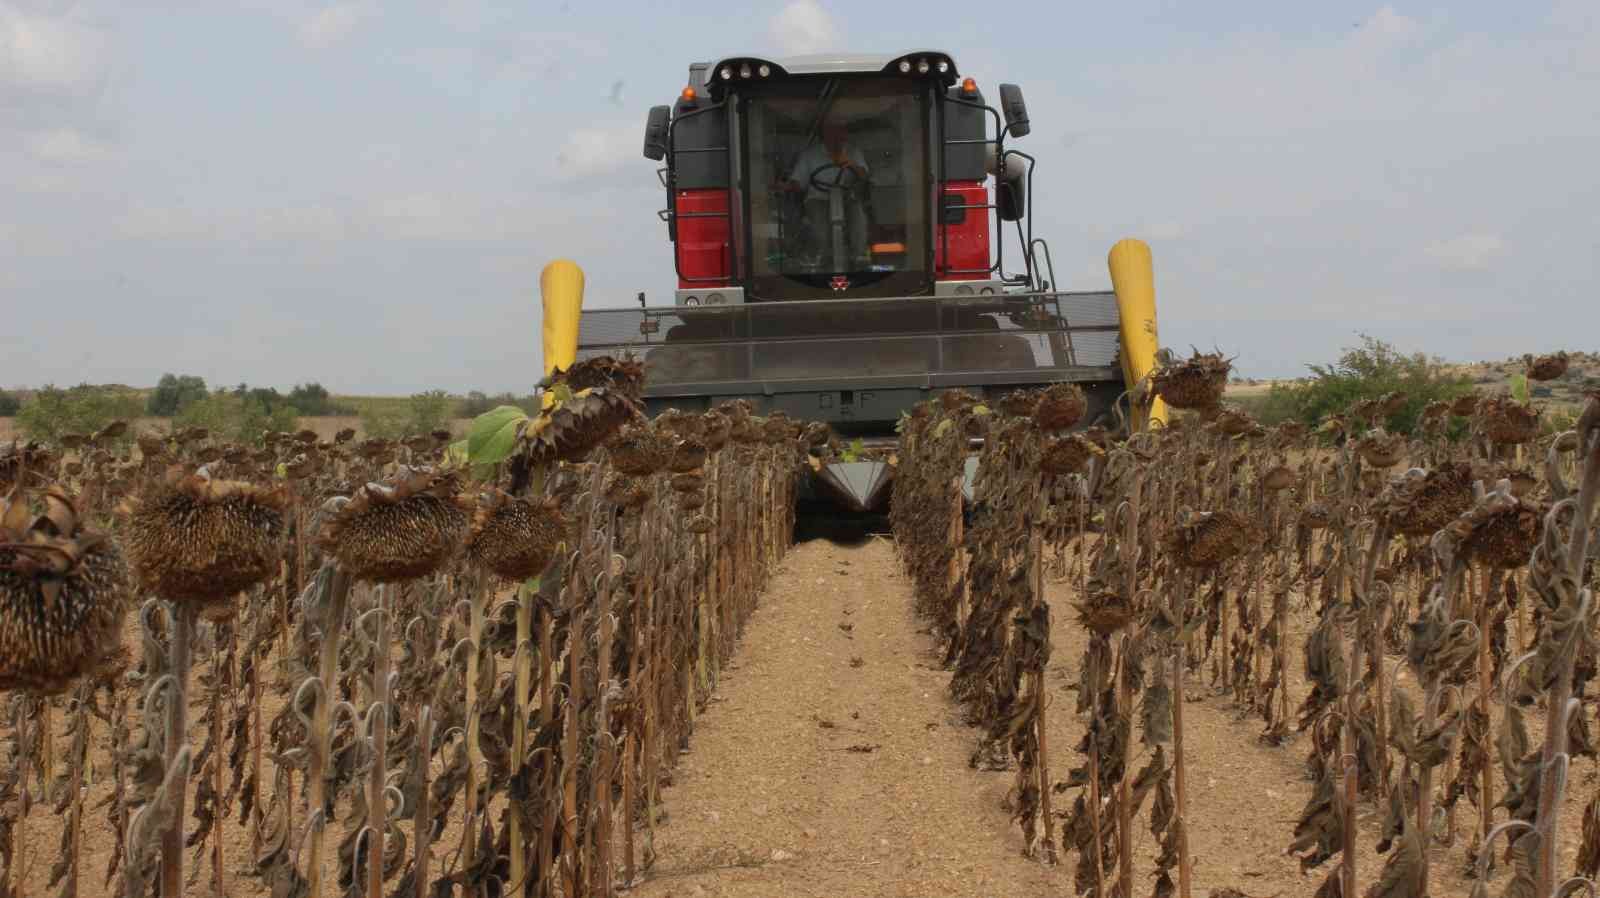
(839, 227)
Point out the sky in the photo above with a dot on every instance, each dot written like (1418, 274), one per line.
(363, 193)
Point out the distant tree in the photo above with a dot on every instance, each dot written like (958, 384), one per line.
(314, 401)
(1363, 372)
(239, 417)
(9, 404)
(173, 392)
(53, 412)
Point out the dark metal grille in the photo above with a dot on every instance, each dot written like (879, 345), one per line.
(1044, 336)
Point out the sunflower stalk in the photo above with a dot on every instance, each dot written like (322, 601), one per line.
(183, 617)
(1557, 576)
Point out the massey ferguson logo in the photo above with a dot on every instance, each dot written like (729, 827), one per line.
(840, 283)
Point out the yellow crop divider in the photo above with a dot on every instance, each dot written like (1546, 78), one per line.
(561, 287)
(1133, 279)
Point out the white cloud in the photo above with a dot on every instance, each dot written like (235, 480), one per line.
(64, 146)
(1467, 252)
(803, 26)
(47, 52)
(599, 150)
(332, 24)
(1389, 24)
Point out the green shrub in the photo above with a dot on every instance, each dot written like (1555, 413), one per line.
(422, 413)
(314, 401)
(53, 412)
(236, 417)
(9, 404)
(1363, 372)
(477, 402)
(172, 393)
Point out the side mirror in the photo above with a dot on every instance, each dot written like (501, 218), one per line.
(1011, 191)
(655, 133)
(1014, 110)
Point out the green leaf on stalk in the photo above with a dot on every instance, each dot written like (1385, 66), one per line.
(494, 434)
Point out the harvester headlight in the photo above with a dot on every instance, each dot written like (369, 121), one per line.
(715, 299)
(987, 291)
(726, 73)
(963, 290)
(691, 300)
(922, 67)
(944, 66)
(765, 70)
(744, 70)
(905, 66)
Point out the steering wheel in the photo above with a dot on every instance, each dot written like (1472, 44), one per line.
(826, 187)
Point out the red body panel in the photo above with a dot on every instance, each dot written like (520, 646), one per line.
(704, 247)
(968, 239)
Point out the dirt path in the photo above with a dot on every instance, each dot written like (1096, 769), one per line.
(770, 799)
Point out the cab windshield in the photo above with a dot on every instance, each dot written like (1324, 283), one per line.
(838, 187)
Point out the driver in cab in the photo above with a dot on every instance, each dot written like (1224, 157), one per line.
(833, 162)
(831, 178)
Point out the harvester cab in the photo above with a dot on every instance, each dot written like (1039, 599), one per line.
(853, 234)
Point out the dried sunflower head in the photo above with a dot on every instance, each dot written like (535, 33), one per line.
(402, 528)
(1068, 454)
(717, 430)
(1546, 367)
(689, 455)
(623, 376)
(1234, 422)
(1277, 478)
(38, 461)
(576, 424)
(779, 428)
(1059, 407)
(1019, 403)
(624, 491)
(688, 482)
(1381, 449)
(957, 399)
(1465, 405)
(1208, 539)
(1507, 422)
(1419, 503)
(674, 422)
(63, 594)
(817, 434)
(1499, 530)
(1195, 383)
(196, 540)
(515, 538)
(639, 449)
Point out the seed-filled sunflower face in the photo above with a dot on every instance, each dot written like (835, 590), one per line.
(405, 527)
(64, 592)
(193, 539)
(515, 538)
